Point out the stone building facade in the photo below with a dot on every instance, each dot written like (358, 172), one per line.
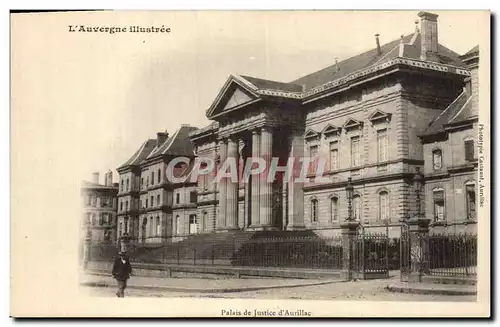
(451, 160)
(375, 118)
(99, 209)
(363, 116)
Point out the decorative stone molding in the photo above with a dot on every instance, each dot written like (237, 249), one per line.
(380, 117)
(311, 135)
(331, 130)
(352, 123)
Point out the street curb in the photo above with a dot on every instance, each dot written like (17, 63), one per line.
(202, 290)
(428, 291)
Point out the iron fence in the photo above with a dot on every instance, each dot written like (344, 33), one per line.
(453, 255)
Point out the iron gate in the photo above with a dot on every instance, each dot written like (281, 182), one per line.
(370, 254)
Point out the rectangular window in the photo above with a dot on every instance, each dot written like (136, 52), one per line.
(469, 150)
(471, 201)
(355, 154)
(438, 205)
(158, 200)
(121, 205)
(382, 145)
(334, 156)
(193, 197)
(152, 201)
(177, 198)
(142, 181)
(159, 176)
(313, 154)
(146, 202)
(152, 178)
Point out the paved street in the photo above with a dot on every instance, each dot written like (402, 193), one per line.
(360, 290)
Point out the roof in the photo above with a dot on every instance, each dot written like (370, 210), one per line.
(273, 85)
(473, 50)
(388, 51)
(176, 145)
(141, 154)
(458, 111)
(90, 185)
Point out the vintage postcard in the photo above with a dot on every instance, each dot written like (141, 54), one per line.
(250, 164)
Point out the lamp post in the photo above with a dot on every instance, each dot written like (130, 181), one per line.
(418, 180)
(349, 189)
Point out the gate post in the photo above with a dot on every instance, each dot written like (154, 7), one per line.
(349, 231)
(419, 248)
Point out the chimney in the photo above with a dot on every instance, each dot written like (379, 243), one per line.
(429, 34)
(337, 68)
(95, 178)
(379, 51)
(108, 179)
(161, 137)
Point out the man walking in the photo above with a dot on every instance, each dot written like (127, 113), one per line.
(121, 272)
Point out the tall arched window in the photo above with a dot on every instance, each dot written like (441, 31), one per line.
(152, 178)
(177, 225)
(334, 209)
(437, 159)
(93, 219)
(128, 185)
(205, 221)
(314, 210)
(158, 226)
(356, 204)
(159, 176)
(151, 226)
(383, 206)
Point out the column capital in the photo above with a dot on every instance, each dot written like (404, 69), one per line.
(256, 131)
(266, 128)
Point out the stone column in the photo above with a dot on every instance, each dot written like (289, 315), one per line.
(232, 188)
(419, 248)
(348, 234)
(255, 182)
(265, 186)
(295, 188)
(221, 219)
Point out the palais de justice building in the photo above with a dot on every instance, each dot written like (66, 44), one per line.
(366, 116)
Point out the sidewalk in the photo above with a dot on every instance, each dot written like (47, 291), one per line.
(434, 289)
(197, 285)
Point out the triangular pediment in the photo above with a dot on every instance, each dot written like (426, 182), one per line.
(239, 97)
(352, 123)
(331, 130)
(236, 93)
(379, 115)
(311, 134)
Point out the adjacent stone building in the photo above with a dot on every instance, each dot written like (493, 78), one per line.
(451, 161)
(99, 209)
(146, 198)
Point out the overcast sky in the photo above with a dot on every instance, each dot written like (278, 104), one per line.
(105, 94)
